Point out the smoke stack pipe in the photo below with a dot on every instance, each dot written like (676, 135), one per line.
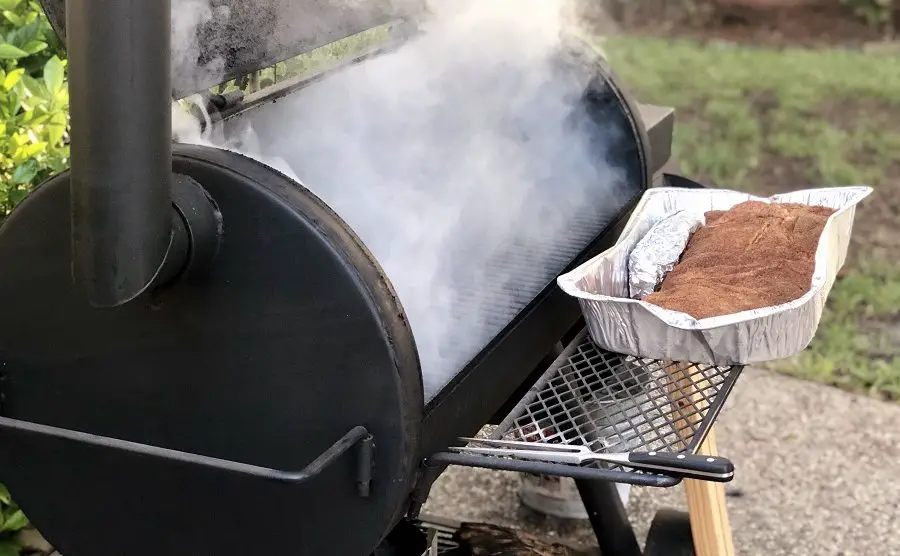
(120, 105)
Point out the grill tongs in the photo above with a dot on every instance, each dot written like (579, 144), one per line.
(683, 466)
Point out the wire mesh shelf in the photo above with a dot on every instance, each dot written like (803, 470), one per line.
(613, 403)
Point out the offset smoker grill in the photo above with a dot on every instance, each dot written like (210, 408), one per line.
(200, 355)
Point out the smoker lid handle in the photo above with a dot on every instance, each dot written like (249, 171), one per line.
(357, 435)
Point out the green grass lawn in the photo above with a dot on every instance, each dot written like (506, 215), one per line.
(742, 106)
(766, 120)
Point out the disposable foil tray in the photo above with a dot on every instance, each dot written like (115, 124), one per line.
(623, 325)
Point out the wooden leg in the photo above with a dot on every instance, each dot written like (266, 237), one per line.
(710, 527)
(709, 516)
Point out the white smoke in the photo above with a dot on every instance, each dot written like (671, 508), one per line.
(460, 162)
(188, 16)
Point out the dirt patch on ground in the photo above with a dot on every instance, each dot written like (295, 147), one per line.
(808, 24)
(887, 330)
(848, 113)
(777, 174)
(876, 228)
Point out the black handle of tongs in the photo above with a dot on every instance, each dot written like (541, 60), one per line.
(684, 465)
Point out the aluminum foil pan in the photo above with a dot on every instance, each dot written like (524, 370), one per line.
(623, 325)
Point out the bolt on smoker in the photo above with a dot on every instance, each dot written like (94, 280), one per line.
(198, 355)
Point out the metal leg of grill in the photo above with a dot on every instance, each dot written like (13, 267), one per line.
(615, 535)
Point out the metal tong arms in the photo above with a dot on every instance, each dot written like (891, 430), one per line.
(685, 466)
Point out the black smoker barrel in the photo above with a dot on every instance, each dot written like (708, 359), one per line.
(274, 401)
(120, 104)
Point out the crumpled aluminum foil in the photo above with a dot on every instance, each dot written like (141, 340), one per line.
(656, 253)
(630, 326)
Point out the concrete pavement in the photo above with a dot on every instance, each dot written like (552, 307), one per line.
(818, 474)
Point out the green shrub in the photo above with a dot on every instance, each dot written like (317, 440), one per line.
(34, 102)
(34, 119)
(12, 520)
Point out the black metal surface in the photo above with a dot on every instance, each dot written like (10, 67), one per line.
(483, 299)
(674, 180)
(356, 435)
(502, 370)
(405, 540)
(670, 534)
(255, 34)
(121, 169)
(612, 403)
(471, 399)
(198, 214)
(505, 364)
(548, 359)
(607, 91)
(248, 364)
(609, 520)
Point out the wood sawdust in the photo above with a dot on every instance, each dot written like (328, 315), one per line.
(483, 539)
(752, 256)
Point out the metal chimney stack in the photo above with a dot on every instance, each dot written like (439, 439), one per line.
(121, 128)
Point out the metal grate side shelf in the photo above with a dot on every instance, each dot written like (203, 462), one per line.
(611, 403)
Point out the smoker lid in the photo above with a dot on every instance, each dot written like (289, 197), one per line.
(237, 37)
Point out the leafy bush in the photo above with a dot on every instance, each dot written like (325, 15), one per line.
(34, 119)
(12, 520)
(34, 102)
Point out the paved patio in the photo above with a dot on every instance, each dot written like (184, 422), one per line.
(818, 474)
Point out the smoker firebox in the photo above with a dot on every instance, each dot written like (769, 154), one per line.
(216, 358)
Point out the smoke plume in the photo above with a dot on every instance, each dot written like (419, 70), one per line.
(465, 162)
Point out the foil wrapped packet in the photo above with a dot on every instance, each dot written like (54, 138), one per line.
(656, 253)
